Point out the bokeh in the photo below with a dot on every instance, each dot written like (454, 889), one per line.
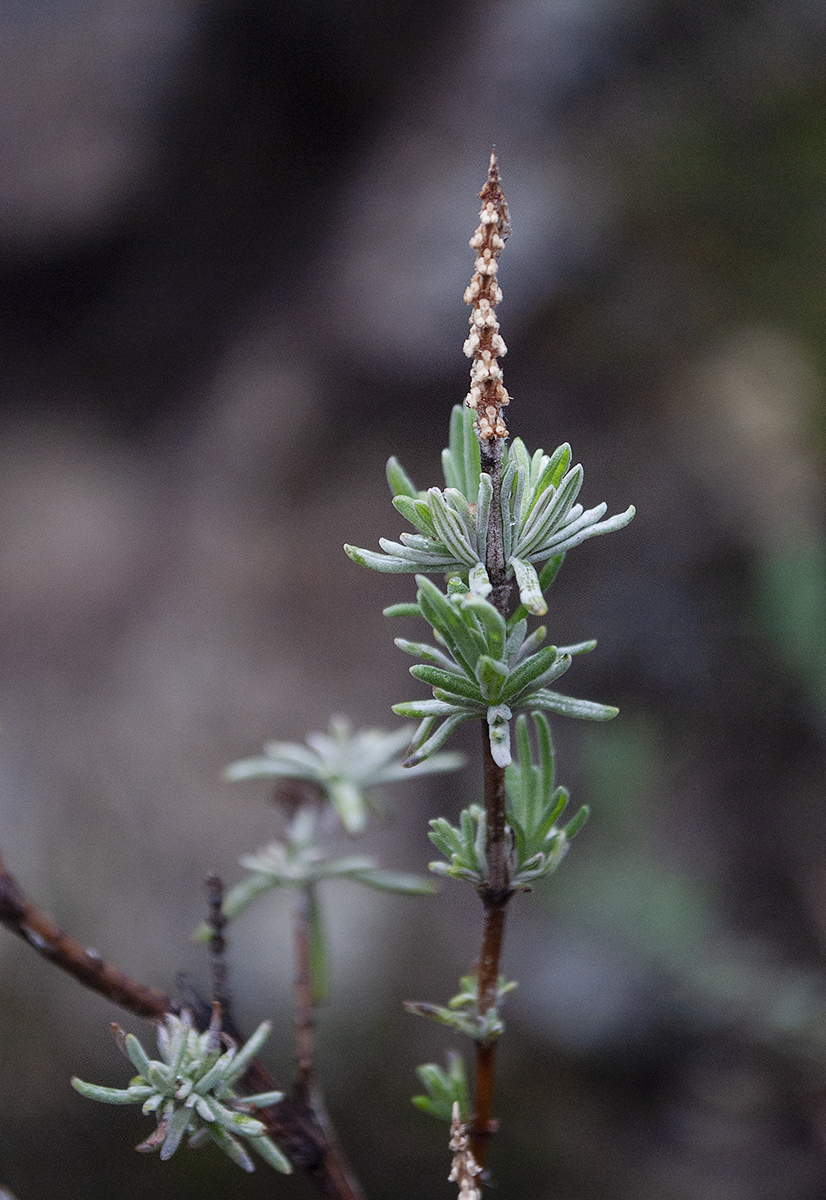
(233, 247)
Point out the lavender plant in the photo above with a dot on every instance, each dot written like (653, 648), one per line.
(497, 533)
(502, 514)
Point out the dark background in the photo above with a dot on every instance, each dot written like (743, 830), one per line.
(233, 246)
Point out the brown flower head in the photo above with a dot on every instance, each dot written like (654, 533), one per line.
(487, 395)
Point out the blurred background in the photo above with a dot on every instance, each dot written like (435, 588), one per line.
(233, 246)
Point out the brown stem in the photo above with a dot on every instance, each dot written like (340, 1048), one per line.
(22, 918)
(303, 991)
(496, 891)
(495, 894)
(301, 1133)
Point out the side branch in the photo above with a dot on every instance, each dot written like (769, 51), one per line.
(22, 918)
(295, 1126)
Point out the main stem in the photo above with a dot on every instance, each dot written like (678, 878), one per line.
(496, 890)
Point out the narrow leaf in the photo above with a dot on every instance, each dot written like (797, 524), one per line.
(398, 480)
(586, 710)
(449, 681)
(530, 592)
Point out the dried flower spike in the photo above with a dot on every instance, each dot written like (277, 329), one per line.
(465, 1167)
(487, 395)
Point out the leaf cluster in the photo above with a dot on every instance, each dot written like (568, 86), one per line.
(489, 668)
(299, 861)
(191, 1092)
(345, 765)
(541, 519)
(533, 807)
(483, 665)
(445, 1086)
(462, 1010)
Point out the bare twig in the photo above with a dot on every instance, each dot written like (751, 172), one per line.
(22, 918)
(218, 947)
(303, 991)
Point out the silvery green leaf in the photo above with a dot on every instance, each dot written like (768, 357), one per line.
(445, 836)
(436, 740)
(344, 868)
(499, 734)
(264, 1099)
(448, 681)
(532, 644)
(492, 675)
(349, 803)
(461, 462)
(547, 473)
(262, 768)
(175, 1044)
(548, 515)
(236, 1122)
(533, 668)
(462, 638)
(587, 710)
(413, 548)
(444, 1088)
(575, 824)
(578, 648)
(402, 610)
(377, 562)
(585, 530)
(231, 1147)
(479, 582)
(175, 1130)
(515, 641)
(512, 491)
(470, 708)
(530, 593)
(546, 578)
(417, 709)
(450, 529)
(105, 1095)
(400, 882)
(483, 502)
(267, 1149)
(398, 480)
(471, 1025)
(491, 623)
(138, 1056)
(417, 512)
(459, 506)
(211, 1077)
(242, 894)
(559, 667)
(448, 761)
(248, 1051)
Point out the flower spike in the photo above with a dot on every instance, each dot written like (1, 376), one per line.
(488, 395)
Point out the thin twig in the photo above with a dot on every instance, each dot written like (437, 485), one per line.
(218, 947)
(302, 991)
(22, 918)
